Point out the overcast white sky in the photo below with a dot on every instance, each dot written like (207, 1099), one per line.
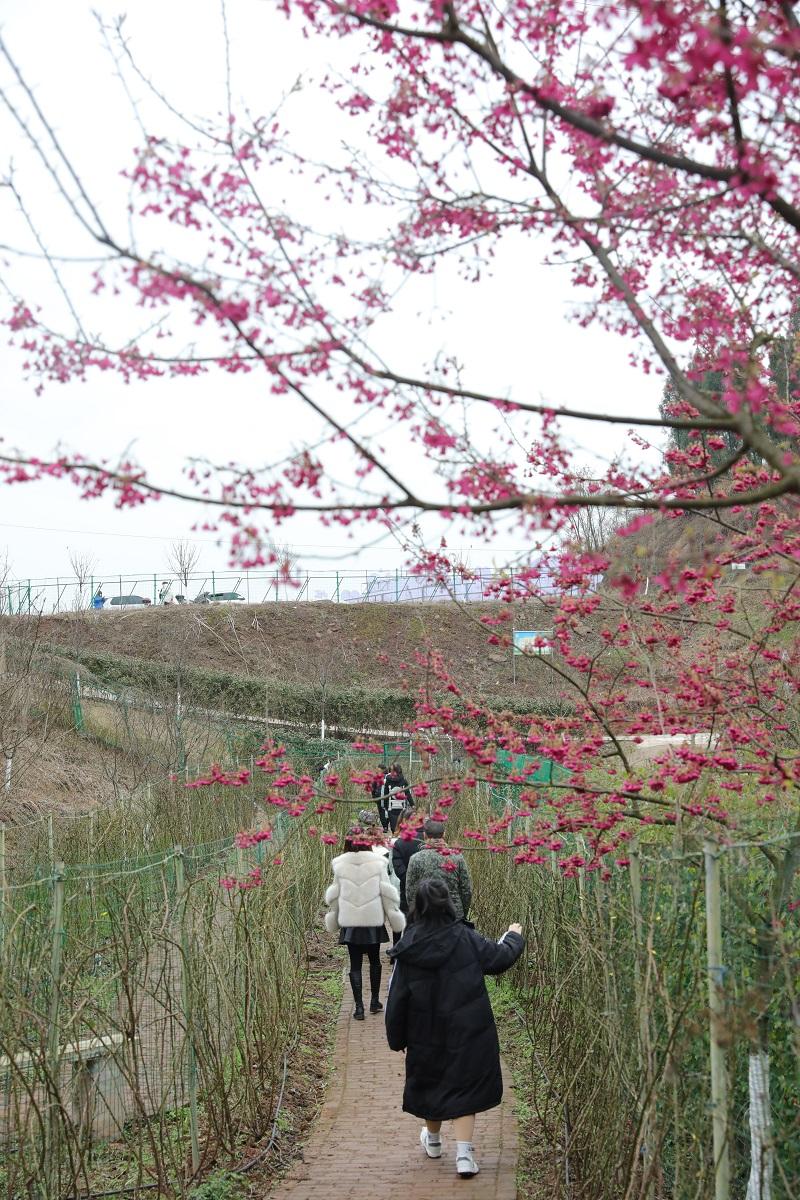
(515, 324)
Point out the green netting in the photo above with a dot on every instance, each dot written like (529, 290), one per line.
(545, 770)
(142, 1002)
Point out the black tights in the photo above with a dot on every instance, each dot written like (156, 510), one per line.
(373, 953)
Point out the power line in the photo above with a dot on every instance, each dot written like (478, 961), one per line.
(162, 537)
(154, 537)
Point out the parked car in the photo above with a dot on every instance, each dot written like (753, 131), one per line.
(127, 602)
(219, 598)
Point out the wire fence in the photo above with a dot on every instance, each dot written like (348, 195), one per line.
(141, 1001)
(658, 1007)
(29, 596)
(108, 591)
(145, 1010)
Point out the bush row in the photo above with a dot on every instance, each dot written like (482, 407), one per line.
(351, 709)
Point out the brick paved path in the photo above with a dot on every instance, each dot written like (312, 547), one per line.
(363, 1147)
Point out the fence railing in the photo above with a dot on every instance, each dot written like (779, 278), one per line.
(70, 594)
(61, 594)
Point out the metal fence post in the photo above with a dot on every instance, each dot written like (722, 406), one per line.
(716, 1004)
(77, 706)
(186, 1004)
(54, 1032)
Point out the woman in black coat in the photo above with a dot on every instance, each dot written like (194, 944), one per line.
(438, 1011)
(405, 845)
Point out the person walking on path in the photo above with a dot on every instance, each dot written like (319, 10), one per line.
(436, 860)
(406, 844)
(369, 824)
(399, 794)
(392, 795)
(380, 796)
(438, 1011)
(361, 899)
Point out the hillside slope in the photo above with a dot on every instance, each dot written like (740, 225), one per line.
(309, 643)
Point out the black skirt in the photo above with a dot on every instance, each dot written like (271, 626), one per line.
(360, 935)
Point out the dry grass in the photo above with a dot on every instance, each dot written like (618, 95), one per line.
(314, 643)
(66, 773)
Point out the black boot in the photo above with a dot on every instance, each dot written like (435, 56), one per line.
(375, 986)
(355, 984)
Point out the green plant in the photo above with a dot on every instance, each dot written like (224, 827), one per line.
(353, 708)
(222, 1185)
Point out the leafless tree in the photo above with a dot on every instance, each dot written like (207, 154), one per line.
(83, 566)
(592, 527)
(182, 558)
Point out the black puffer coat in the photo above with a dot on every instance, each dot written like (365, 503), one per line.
(402, 851)
(438, 1011)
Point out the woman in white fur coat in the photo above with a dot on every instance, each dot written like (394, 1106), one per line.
(361, 899)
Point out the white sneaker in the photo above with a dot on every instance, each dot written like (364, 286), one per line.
(466, 1165)
(431, 1143)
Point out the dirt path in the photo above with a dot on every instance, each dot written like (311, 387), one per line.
(362, 1146)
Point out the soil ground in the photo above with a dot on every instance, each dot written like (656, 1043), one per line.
(312, 642)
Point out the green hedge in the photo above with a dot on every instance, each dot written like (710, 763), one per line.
(352, 708)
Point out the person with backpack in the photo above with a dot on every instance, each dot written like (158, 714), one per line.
(392, 794)
(361, 899)
(438, 1011)
(399, 793)
(378, 795)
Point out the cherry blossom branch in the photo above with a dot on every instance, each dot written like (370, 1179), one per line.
(722, 422)
(519, 501)
(452, 33)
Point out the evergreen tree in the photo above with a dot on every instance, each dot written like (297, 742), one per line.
(784, 370)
